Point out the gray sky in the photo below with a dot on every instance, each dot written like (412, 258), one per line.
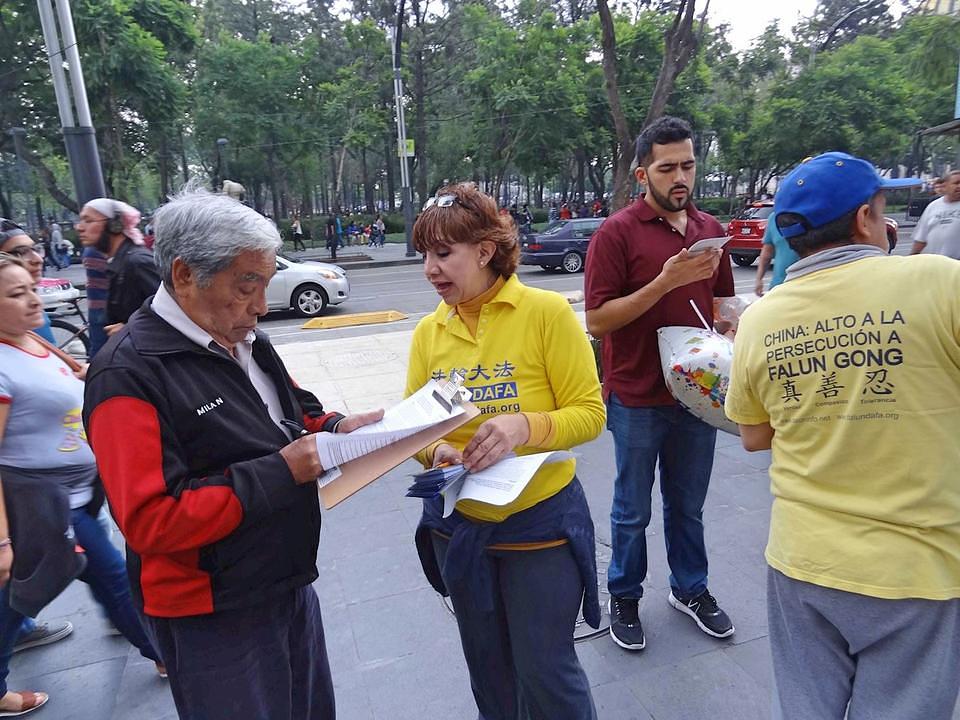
(748, 18)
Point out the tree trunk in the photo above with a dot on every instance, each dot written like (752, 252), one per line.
(681, 43)
(625, 151)
(274, 189)
(185, 168)
(5, 207)
(50, 182)
(368, 192)
(389, 161)
(581, 175)
(163, 166)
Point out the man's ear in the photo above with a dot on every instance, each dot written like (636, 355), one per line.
(184, 279)
(640, 173)
(861, 225)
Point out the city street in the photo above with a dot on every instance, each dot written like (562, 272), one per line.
(404, 288)
(393, 644)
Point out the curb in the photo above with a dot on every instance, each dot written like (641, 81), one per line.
(364, 264)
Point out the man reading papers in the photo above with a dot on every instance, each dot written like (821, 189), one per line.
(196, 427)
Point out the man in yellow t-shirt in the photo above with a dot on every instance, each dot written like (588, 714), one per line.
(850, 372)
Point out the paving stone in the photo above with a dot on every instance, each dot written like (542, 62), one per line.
(705, 685)
(614, 701)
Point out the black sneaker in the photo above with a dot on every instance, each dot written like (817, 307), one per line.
(625, 627)
(43, 634)
(707, 614)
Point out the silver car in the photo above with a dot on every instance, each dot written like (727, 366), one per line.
(306, 286)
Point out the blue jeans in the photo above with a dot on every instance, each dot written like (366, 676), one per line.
(106, 574)
(98, 337)
(520, 655)
(11, 623)
(684, 446)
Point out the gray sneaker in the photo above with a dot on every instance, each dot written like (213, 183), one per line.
(43, 634)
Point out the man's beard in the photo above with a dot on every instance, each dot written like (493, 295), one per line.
(666, 201)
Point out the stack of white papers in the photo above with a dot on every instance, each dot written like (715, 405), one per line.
(499, 484)
(419, 411)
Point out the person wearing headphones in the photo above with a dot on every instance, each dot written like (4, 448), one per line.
(110, 226)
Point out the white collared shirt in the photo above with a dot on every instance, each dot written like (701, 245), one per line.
(167, 308)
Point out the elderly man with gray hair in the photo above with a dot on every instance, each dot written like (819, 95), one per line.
(201, 438)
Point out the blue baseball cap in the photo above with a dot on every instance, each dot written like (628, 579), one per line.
(828, 187)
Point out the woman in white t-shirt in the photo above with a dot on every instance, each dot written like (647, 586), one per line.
(42, 441)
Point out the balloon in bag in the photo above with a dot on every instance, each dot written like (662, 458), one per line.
(696, 365)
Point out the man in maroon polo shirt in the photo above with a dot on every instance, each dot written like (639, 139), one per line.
(640, 277)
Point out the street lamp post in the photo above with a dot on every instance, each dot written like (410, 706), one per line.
(222, 155)
(79, 136)
(394, 35)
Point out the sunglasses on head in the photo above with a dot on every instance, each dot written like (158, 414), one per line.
(9, 229)
(441, 201)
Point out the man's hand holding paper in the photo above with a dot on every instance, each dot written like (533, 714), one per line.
(302, 457)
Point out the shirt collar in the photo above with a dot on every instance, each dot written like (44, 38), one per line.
(510, 293)
(166, 306)
(647, 214)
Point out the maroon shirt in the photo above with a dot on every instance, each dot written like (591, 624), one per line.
(626, 253)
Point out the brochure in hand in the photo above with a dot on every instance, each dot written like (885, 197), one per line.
(432, 482)
(499, 484)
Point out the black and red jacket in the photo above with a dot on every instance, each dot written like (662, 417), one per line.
(189, 459)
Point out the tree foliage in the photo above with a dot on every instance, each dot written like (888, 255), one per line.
(512, 96)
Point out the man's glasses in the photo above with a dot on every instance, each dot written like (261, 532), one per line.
(441, 201)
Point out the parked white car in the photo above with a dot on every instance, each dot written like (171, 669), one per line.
(56, 291)
(306, 286)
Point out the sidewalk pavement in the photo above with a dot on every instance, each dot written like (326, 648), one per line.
(393, 646)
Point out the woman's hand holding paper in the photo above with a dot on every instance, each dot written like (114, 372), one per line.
(494, 439)
(446, 455)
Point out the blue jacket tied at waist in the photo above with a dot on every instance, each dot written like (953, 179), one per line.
(564, 515)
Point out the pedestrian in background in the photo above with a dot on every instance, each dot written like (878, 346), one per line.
(938, 229)
(518, 574)
(775, 250)
(297, 230)
(111, 227)
(852, 376)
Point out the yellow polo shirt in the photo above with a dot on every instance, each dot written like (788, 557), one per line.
(530, 354)
(857, 369)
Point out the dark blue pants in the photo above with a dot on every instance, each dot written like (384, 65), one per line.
(520, 656)
(684, 446)
(267, 662)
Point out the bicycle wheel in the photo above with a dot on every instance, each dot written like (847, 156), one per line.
(71, 339)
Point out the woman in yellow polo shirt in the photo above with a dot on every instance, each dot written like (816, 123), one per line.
(517, 574)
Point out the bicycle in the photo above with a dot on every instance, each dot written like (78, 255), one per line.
(70, 338)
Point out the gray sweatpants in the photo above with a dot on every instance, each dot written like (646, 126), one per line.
(837, 652)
